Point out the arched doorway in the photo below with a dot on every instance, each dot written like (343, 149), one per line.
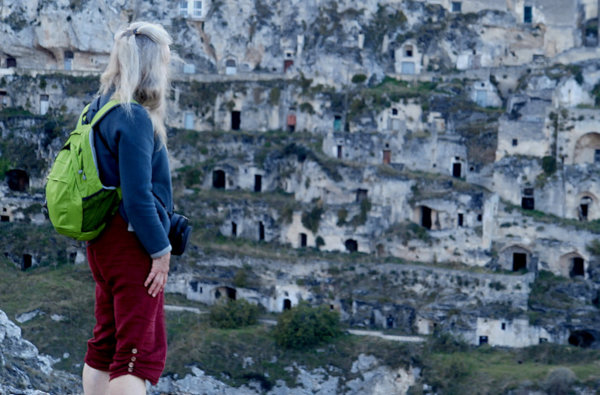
(351, 245)
(587, 149)
(515, 258)
(218, 179)
(572, 265)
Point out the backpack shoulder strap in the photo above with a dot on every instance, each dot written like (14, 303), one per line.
(105, 109)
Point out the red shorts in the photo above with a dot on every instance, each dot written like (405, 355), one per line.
(130, 334)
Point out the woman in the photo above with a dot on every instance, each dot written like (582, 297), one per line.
(130, 259)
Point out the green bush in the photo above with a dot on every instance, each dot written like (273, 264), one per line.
(311, 219)
(319, 242)
(549, 164)
(233, 314)
(307, 107)
(559, 381)
(305, 326)
(342, 216)
(359, 78)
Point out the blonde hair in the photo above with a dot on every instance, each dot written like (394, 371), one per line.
(138, 69)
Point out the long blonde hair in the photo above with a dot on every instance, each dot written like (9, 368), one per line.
(138, 69)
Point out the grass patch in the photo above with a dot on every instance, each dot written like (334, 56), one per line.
(66, 291)
(540, 216)
(496, 371)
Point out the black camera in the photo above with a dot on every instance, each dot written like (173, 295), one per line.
(179, 233)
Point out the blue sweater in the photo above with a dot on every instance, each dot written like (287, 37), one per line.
(136, 160)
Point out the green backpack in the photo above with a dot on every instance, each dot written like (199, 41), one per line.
(79, 206)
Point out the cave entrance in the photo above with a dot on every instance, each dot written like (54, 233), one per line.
(577, 267)
(456, 170)
(582, 338)
(339, 152)
(17, 180)
(261, 231)
(227, 292)
(426, 217)
(351, 245)
(361, 194)
(236, 120)
(584, 208)
(303, 240)
(519, 261)
(257, 183)
(27, 262)
(233, 229)
(527, 200)
(287, 304)
(219, 179)
(390, 321)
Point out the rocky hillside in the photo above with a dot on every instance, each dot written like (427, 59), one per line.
(426, 168)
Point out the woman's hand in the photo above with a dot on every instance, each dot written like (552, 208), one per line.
(157, 279)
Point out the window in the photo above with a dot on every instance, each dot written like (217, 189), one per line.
(515, 142)
(189, 120)
(527, 14)
(527, 200)
(44, 104)
(408, 51)
(189, 68)
(183, 8)
(197, 9)
(481, 97)
(69, 60)
(456, 6)
(230, 67)
(597, 156)
(337, 123)
(461, 220)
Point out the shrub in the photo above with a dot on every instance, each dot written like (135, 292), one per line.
(233, 314)
(559, 381)
(319, 242)
(342, 216)
(359, 78)
(307, 107)
(305, 326)
(549, 164)
(594, 247)
(311, 219)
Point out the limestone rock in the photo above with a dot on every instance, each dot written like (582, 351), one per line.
(24, 370)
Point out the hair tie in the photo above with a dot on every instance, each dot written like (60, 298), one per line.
(133, 32)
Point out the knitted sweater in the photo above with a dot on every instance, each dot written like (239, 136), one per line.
(136, 160)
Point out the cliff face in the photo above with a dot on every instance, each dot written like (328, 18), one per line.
(419, 166)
